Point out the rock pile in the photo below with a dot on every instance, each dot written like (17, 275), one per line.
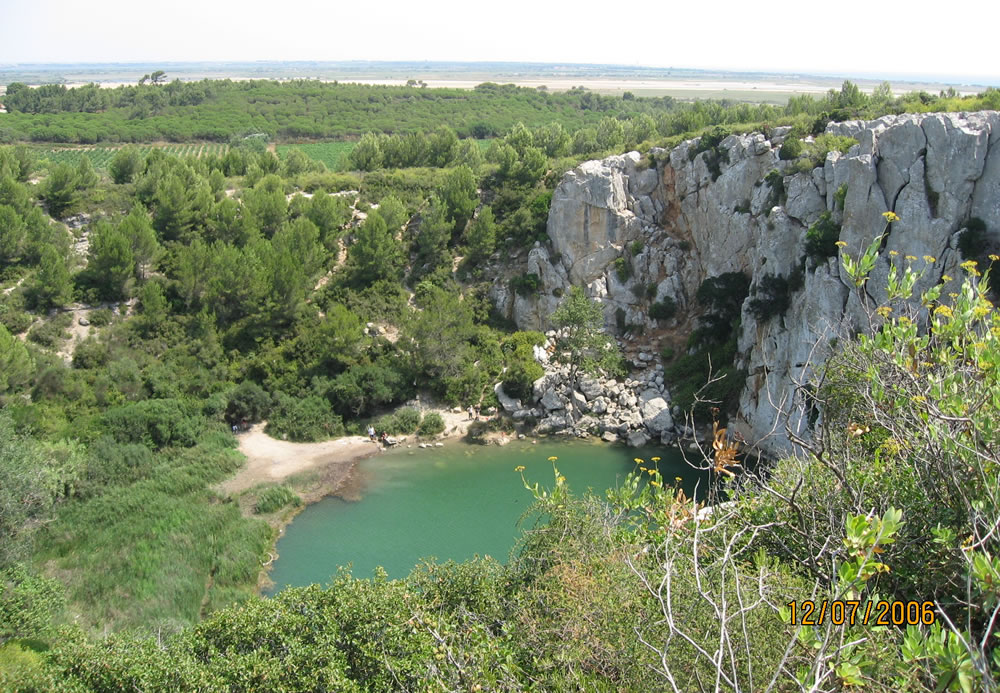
(635, 410)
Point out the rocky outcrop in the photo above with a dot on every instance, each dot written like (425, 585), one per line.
(635, 230)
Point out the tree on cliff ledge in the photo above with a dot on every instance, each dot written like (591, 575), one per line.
(583, 339)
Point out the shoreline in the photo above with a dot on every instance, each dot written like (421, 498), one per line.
(313, 471)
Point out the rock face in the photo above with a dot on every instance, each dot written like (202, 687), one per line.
(632, 233)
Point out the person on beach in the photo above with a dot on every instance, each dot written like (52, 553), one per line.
(472, 412)
(371, 433)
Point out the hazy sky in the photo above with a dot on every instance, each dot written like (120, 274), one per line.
(888, 39)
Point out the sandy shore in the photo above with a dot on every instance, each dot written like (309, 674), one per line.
(272, 461)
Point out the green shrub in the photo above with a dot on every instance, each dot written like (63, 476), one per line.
(526, 284)
(248, 402)
(90, 353)
(51, 333)
(519, 378)
(667, 353)
(431, 425)
(155, 423)
(664, 309)
(405, 420)
(822, 237)
(776, 182)
(790, 150)
(972, 242)
(771, 297)
(840, 196)
(16, 321)
(275, 498)
(303, 419)
(623, 269)
(101, 317)
(636, 247)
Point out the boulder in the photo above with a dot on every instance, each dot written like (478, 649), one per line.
(590, 388)
(553, 424)
(551, 401)
(636, 439)
(656, 415)
(609, 437)
(509, 404)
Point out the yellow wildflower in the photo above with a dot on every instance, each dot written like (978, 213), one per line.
(894, 253)
(945, 278)
(561, 479)
(553, 458)
(930, 259)
(655, 459)
(654, 483)
(945, 311)
(953, 294)
(994, 257)
(890, 216)
(883, 311)
(911, 258)
(678, 479)
(919, 398)
(519, 468)
(638, 460)
(841, 244)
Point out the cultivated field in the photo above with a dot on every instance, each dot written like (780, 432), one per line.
(100, 157)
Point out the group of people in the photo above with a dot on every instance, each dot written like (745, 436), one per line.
(382, 438)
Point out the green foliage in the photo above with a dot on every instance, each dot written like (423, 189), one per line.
(13, 234)
(623, 268)
(431, 425)
(155, 423)
(973, 241)
(112, 261)
(526, 284)
(771, 297)
(840, 196)
(16, 364)
(51, 333)
(791, 149)
(664, 309)
(376, 254)
(29, 604)
(822, 237)
(61, 190)
(588, 347)
(125, 165)
(275, 498)
(481, 236)
(303, 419)
(248, 402)
(405, 420)
(26, 496)
(366, 387)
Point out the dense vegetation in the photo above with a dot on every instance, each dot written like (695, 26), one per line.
(895, 500)
(242, 286)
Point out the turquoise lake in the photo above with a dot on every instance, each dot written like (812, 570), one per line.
(445, 503)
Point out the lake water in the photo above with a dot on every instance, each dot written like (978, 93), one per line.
(446, 503)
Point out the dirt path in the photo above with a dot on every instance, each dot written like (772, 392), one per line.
(270, 460)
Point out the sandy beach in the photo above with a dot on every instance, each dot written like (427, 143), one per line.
(270, 460)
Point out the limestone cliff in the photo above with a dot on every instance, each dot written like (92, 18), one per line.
(677, 217)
